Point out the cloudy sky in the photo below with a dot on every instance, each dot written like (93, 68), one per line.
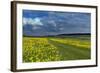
(40, 23)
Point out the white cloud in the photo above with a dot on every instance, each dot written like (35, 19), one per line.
(35, 27)
(52, 23)
(32, 21)
(61, 28)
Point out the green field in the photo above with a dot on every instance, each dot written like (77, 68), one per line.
(44, 49)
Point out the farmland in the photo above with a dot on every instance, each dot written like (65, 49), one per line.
(44, 49)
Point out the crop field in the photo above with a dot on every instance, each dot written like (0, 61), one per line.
(45, 49)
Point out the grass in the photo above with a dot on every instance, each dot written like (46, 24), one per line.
(44, 49)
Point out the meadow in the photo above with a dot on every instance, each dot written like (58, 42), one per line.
(45, 49)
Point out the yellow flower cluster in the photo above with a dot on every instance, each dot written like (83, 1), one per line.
(39, 50)
(73, 42)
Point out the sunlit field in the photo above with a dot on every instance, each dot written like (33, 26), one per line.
(45, 49)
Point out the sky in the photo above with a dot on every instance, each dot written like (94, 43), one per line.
(41, 23)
